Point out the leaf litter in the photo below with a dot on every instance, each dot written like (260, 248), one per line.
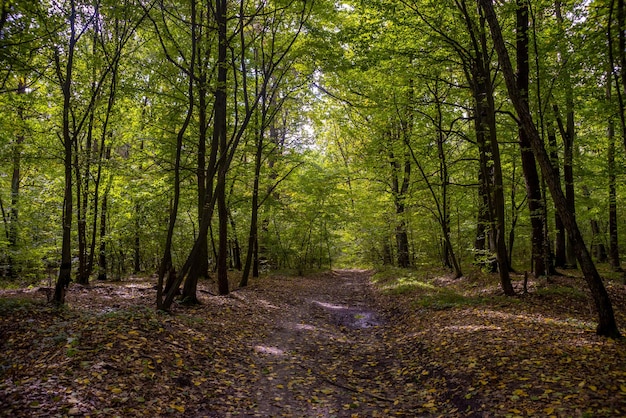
(335, 344)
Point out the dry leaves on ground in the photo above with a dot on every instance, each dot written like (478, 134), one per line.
(324, 345)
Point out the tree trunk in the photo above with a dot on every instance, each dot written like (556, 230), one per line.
(235, 258)
(533, 187)
(65, 270)
(102, 255)
(254, 216)
(221, 137)
(614, 257)
(200, 263)
(400, 187)
(567, 133)
(559, 230)
(174, 281)
(482, 248)
(13, 229)
(607, 325)
(497, 192)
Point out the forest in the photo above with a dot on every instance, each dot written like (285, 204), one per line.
(199, 147)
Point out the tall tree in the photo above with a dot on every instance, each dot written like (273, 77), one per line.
(567, 131)
(65, 78)
(607, 325)
(533, 187)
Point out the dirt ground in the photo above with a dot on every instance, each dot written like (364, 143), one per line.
(325, 345)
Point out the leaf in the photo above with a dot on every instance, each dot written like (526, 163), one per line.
(178, 408)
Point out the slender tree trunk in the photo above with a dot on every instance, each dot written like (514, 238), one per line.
(607, 325)
(614, 254)
(400, 187)
(482, 249)
(614, 257)
(199, 264)
(559, 229)
(567, 133)
(221, 137)
(533, 187)
(493, 149)
(136, 241)
(254, 216)
(235, 259)
(102, 254)
(13, 223)
(621, 92)
(444, 180)
(597, 245)
(174, 281)
(103, 155)
(65, 77)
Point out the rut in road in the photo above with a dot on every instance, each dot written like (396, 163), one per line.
(328, 352)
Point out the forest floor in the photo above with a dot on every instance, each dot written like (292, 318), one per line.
(334, 344)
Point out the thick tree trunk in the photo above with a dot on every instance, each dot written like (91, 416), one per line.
(607, 325)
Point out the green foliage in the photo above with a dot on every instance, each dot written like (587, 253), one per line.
(358, 72)
(567, 292)
(17, 304)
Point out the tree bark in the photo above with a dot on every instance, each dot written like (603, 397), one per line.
(13, 227)
(533, 187)
(65, 78)
(614, 257)
(254, 216)
(220, 136)
(559, 229)
(607, 325)
(200, 263)
(401, 172)
(568, 132)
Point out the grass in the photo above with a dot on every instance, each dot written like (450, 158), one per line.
(12, 304)
(424, 288)
(566, 291)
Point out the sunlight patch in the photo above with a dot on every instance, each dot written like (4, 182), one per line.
(473, 328)
(330, 305)
(305, 327)
(275, 351)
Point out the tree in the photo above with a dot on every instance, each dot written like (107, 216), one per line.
(607, 325)
(533, 187)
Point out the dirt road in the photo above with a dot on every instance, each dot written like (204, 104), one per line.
(327, 352)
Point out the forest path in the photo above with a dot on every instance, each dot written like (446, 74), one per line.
(329, 352)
